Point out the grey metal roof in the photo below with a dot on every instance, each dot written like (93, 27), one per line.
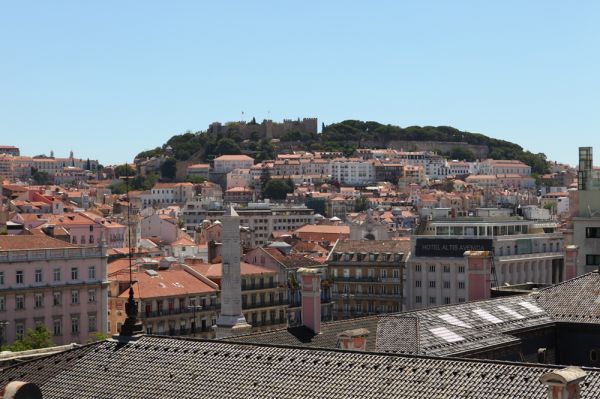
(459, 329)
(575, 301)
(154, 367)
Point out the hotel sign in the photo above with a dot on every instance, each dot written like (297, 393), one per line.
(450, 248)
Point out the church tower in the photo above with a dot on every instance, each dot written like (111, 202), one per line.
(231, 320)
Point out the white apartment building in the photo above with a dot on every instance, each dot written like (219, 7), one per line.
(239, 178)
(261, 219)
(352, 171)
(227, 163)
(435, 166)
(503, 167)
(522, 251)
(163, 194)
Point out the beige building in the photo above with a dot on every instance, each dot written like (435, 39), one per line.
(366, 276)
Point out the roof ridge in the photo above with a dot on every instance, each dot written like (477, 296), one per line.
(371, 354)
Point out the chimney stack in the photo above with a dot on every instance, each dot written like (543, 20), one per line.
(353, 340)
(571, 261)
(21, 390)
(310, 280)
(479, 274)
(564, 383)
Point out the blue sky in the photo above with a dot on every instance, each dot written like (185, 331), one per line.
(109, 79)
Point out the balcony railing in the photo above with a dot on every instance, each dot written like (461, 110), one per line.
(169, 312)
(535, 255)
(265, 304)
(249, 287)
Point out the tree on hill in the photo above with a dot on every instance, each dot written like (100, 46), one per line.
(461, 154)
(227, 146)
(168, 169)
(361, 204)
(124, 171)
(277, 189)
(40, 177)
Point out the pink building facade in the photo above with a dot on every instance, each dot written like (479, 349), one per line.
(48, 281)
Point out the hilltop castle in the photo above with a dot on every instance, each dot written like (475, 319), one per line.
(267, 129)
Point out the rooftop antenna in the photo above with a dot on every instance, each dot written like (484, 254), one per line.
(131, 325)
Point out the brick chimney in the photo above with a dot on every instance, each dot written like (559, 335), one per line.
(479, 274)
(353, 340)
(571, 261)
(564, 383)
(310, 280)
(21, 390)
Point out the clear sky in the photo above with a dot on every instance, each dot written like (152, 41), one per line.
(109, 79)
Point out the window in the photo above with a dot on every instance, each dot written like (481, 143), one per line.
(418, 299)
(56, 298)
(91, 272)
(91, 296)
(446, 268)
(57, 327)
(461, 269)
(2, 303)
(75, 325)
(432, 268)
(92, 323)
(19, 330)
(74, 297)
(74, 273)
(446, 284)
(19, 276)
(592, 260)
(1, 278)
(56, 274)
(593, 355)
(447, 300)
(592, 232)
(417, 268)
(461, 285)
(461, 300)
(38, 275)
(19, 302)
(39, 300)
(432, 300)
(418, 283)
(432, 284)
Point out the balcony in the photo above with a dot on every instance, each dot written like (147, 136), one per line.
(363, 295)
(265, 304)
(530, 256)
(357, 279)
(178, 311)
(250, 287)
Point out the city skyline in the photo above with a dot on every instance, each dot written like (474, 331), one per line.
(517, 71)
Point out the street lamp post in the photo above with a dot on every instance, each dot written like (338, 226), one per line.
(3, 325)
(193, 308)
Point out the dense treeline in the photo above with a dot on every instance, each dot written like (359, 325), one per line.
(344, 136)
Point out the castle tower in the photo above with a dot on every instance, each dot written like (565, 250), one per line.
(231, 321)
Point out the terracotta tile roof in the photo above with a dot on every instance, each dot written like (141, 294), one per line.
(32, 242)
(234, 158)
(375, 246)
(214, 270)
(166, 283)
(320, 228)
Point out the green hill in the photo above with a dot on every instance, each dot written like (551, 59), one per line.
(344, 136)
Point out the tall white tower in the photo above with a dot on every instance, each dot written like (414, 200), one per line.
(231, 320)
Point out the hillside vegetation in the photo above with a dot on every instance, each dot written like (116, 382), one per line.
(346, 137)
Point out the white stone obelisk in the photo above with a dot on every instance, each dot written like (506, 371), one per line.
(231, 320)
